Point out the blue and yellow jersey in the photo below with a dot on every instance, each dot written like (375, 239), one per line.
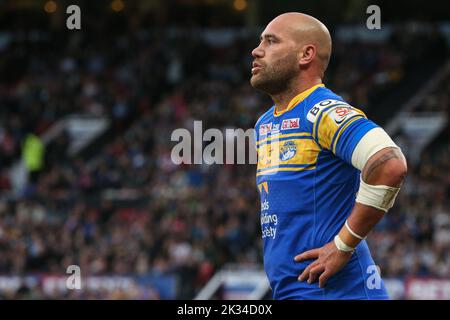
(308, 188)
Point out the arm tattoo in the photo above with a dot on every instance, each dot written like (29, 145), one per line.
(393, 153)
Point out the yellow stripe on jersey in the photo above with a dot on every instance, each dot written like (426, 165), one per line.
(284, 169)
(330, 122)
(326, 129)
(285, 135)
(288, 152)
(342, 130)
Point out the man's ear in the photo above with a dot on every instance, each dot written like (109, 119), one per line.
(307, 54)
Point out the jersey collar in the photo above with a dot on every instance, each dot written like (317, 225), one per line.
(297, 99)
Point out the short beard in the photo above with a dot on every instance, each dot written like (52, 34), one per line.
(275, 79)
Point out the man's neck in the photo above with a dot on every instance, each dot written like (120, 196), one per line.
(282, 99)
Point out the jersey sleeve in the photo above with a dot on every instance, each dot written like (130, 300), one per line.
(338, 127)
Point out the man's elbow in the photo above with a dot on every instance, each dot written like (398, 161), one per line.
(398, 169)
(395, 170)
(387, 167)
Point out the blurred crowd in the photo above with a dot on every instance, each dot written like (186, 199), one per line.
(437, 100)
(127, 209)
(414, 238)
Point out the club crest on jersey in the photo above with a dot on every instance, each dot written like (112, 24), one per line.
(288, 124)
(264, 129)
(288, 150)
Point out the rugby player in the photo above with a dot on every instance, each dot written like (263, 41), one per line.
(326, 173)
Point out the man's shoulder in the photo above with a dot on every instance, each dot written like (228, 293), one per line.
(320, 95)
(322, 99)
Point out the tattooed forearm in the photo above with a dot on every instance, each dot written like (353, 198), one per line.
(393, 153)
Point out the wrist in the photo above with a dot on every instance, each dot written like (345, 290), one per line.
(348, 237)
(342, 246)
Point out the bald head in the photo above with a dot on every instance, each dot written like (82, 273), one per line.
(304, 29)
(294, 51)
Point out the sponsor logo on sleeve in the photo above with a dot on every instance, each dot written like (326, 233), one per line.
(318, 107)
(340, 114)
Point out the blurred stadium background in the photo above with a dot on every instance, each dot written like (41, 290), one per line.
(85, 121)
